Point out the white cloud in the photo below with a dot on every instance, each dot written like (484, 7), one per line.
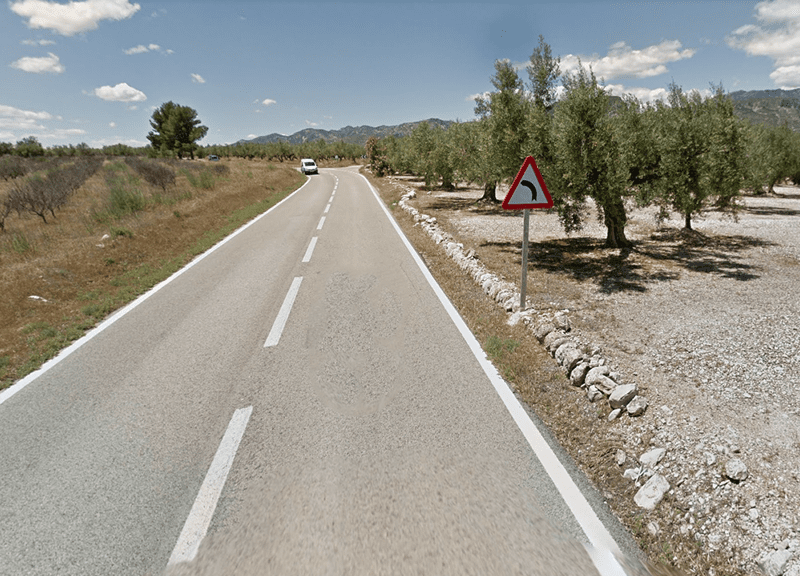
(38, 42)
(250, 136)
(100, 142)
(642, 94)
(650, 94)
(777, 36)
(197, 79)
(312, 124)
(22, 120)
(268, 102)
(474, 97)
(6, 135)
(112, 124)
(142, 49)
(61, 134)
(120, 93)
(49, 63)
(622, 61)
(73, 18)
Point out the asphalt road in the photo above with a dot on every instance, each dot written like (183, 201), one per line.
(297, 402)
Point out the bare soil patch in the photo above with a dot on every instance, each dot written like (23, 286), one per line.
(704, 322)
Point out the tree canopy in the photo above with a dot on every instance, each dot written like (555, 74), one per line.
(176, 130)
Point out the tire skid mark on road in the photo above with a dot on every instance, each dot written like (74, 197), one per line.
(199, 519)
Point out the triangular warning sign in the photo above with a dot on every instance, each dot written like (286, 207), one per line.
(528, 189)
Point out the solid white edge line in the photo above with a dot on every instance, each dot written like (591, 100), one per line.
(196, 526)
(283, 314)
(597, 534)
(310, 250)
(321, 222)
(13, 389)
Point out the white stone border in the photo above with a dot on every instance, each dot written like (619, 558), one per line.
(584, 369)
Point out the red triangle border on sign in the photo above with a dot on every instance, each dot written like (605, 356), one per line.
(529, 161)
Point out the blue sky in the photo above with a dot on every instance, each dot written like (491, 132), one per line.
(94, 70)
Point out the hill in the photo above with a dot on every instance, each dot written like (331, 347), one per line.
(771, 107)
(354, 135)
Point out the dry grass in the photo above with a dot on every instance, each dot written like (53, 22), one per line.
(83, 277)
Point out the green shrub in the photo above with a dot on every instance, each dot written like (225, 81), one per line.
(20, 244)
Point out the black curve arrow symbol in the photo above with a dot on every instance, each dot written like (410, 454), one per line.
(531, 186)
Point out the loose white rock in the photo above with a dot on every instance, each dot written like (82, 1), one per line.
(621, 395)
(631, 473)
(561, 322)
(736, 470)
(652, 457)
(652, 492)
(595, 373)
(542, 330)
(593, 393)
(605, 384)
(774, 563)
(568, 356)
(637, 406)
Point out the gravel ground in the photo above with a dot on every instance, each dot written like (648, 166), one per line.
(708, 326)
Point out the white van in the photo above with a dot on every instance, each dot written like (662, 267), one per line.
(308, 166)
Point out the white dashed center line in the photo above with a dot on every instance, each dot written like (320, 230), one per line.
(196, 526)
(283, 314)
(321, 222)
(310, 250)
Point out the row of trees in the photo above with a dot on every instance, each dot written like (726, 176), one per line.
(45, 192)
(685, 155)
(31, 149)
(176, 129)
(284, 151)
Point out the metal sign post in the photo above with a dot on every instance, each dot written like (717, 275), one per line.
(527, 191)
(526, 216)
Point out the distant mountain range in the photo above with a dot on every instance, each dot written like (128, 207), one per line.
(355, 135)
(773, 107)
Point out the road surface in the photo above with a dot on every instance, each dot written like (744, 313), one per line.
(298, 401)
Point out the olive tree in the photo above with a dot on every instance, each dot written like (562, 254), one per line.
(701, 147)
(589, 158)
(505, 115)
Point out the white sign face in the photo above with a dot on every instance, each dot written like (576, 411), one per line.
(528, 189)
